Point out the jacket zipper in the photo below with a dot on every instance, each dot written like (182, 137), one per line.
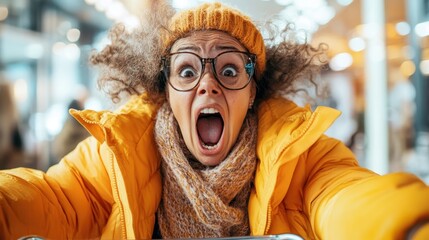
(269, 212)
(115, 185)
(269, 209)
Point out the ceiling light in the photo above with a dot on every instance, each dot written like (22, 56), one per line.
(323, 14)
(403, 28)
(424, 67)
(341, 61)
(73, 35)
(357, 44)
(116, 11)
(344, 2)
(422, 29)
(408, 68)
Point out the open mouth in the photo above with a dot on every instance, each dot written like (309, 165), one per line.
(210, 127)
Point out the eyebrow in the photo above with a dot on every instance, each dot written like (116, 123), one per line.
(227, 47)
(185, 48)
(195, 49)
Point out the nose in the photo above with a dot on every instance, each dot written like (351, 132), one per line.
(208, 83)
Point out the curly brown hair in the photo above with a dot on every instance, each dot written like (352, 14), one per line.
(291, 65)
(131, 63)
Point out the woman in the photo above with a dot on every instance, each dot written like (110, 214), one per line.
(11, 142)
(209, 149)
(72, 132)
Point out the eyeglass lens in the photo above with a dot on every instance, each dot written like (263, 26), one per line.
(232, 69)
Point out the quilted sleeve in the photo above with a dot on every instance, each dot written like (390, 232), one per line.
(345, 201)
(72, 200)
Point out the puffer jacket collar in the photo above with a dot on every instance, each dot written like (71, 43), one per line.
(134, 162)
(284, 132)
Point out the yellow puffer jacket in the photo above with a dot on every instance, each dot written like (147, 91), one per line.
(306, 183)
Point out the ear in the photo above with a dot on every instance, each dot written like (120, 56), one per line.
(162, 84)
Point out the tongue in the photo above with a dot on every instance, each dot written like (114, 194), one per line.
(210, 129)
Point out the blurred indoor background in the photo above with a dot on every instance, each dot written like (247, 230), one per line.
(377, 76)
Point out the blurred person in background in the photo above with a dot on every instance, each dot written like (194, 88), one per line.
(72, 132)
(11, 141)
(401, 110)
(207, 146)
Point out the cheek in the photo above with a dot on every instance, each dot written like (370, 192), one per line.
(239, 100)
(238, 105)
(180, 105)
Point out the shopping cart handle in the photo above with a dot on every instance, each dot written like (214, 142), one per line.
(284, 236)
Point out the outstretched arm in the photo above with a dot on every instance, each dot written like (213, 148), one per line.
(345, 201)
(72, 200)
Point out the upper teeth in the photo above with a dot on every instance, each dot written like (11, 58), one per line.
(209, 111)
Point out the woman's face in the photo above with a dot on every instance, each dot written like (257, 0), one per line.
(209, 116)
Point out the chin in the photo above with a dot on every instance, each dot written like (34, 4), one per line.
(210, 161)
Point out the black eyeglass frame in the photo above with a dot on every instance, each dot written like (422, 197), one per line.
(250, 69)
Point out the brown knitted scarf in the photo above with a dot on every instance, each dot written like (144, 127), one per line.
(199, 201)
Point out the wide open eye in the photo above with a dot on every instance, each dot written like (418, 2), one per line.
(229, 71)
(187, 72)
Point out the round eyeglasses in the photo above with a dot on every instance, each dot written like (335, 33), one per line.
(232, 69)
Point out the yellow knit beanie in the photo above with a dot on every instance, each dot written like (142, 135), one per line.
(216, 16)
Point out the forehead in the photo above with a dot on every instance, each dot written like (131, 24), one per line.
(206, 41)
